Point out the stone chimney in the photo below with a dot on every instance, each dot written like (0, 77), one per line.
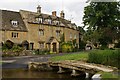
(62, 14)
(54, 13)
(38, 9)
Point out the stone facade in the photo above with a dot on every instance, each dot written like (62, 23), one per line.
(35, 30)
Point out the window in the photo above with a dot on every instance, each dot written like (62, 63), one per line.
(41, 45)
(49, 21)
(14, 23)
(39, 20)
(58, 32)
(56, 22)
(75, 36)
(14, 35)
(41, 32)
(70, 35)
(31, 46)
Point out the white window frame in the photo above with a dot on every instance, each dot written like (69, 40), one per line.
(57, 22)
(14, 23)
(39, 20)
(49, 21)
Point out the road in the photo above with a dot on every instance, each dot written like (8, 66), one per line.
(22, 61)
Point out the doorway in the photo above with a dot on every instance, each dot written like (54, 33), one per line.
(31, 46)
(25, 45)
(54, 47)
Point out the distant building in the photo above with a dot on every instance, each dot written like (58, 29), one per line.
(35, 30)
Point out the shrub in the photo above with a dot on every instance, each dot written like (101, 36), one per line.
(9, 44)
(4, 48)
(66, 47)
(82, 45)
(16, 48)
(117, 45)
(14, 51)
(41, 52)
(103, 47)
(107, 57)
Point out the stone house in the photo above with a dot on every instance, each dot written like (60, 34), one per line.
(36, 30)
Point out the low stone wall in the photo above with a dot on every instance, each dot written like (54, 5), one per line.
(12, 54)
(39, 66)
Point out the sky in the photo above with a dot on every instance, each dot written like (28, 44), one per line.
(73, 9)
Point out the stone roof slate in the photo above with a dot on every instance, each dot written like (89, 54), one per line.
(7, 17)
(63, 22)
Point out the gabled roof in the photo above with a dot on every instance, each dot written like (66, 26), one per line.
(7, 17)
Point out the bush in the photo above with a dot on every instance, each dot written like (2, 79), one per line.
(66, 47)
(4, 48)
(8, 44)
(82, 45)
(103, 47)
(106, 57)
(117, 45)
(16, 48)
(14, 51)
(41, 52)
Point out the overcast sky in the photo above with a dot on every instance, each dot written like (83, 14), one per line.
(73, 9)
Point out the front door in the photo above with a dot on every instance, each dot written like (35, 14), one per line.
(54, 47)
(31, 46)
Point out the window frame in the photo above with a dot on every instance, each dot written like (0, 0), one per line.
(41, 32)
(15, 35)
(14, 23)
(39, 19)
(58, 32)
(70, 35)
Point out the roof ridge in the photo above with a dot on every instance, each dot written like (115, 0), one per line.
(10, 11)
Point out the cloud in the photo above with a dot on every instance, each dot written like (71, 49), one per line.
(73, 8)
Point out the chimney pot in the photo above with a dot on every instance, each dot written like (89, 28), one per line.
(62, 14)
(38, 9)
(54, 13)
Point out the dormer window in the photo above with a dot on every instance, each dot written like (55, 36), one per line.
(49, 21)
(14, 23)
(56, 22)
(39, 20)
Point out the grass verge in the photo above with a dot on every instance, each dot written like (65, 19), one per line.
(78, 56)
(108, 75)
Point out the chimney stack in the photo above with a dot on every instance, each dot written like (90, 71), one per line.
(38, 9)
(62, 14)
(54, 13)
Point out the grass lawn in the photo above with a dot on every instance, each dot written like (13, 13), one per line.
(108, 75)
(76, 56)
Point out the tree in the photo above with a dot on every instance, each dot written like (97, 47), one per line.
(103, 21)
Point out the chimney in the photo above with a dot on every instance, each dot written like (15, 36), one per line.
(62, 14)
(38, 9)
(54, 13)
